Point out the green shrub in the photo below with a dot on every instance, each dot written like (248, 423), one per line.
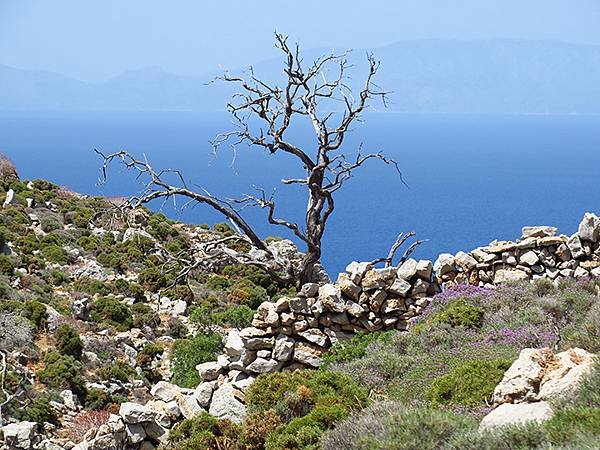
(56, 277)
(7, 265)
(391, 425)
(148, 353)
(68, 341)
(110, 311)
(245, 292)
(356, 347)
(459, 313)
(153, 279)
(470, 384)
(565, 426)
(55, 254)
(256, 275)
(176, 329)
(97, 399)
(188, 353)
(91, 286)
(234, 316)
(203, 432)
(119, 370)
(62, 372)
(144, 315)
(40, 411)
(50, 223)
(37, 314)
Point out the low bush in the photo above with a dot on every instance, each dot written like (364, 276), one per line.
(391, 425)
(459, 313)
(118, 370)
(55, 253)
(188, 353)
(470, 384)
(233, 317)
(62, 372)
(40, 411)
(110, 311)
(68, 341)
(37, 314)
(204, 432)
(144, 315)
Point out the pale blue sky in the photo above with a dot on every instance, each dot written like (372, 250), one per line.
(93, 40)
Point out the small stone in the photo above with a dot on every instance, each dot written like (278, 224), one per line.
(357, 270)
(307, 354)
(165, 391)
(589, 228)
(465, 261)
(537, 232)
(315, 336)
(309, 290)
(234, 345)
(424, 269)
(203, 393)
(348, 287)
(399, 287)
(444, 264)
(135, 433)
(284, 348)
(225, 405)
(261, 365)
(509, 275)
(330, 296)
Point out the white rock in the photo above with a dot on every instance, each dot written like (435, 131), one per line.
(589, 228)
(348, 287)
(165, 391)
(539, 231)
(20, 434)
(315, 336)
(444, 264)
(234, 345)
(132, 233)
(399, 287)
(509, 275)
(357, 270)
(575, 246)
(529, 258)
(69, 399)
(135, 433)
(225, 405)
(10, 198)
(424, 269)
(188, 406)
(520, 381)
(512, 414)
(466, 261)
(262, 365)
(135, 413)
(330, 296)
(566, 373)
(284, 348)
(203, 393)
(209, 370)
(407, 270)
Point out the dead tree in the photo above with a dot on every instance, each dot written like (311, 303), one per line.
(263, 113)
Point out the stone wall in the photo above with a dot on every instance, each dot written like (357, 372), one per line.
(295, 332)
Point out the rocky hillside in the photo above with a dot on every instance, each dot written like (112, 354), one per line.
(108, 341)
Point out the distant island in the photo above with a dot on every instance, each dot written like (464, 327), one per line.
(427, 76)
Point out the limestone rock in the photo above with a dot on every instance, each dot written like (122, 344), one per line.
(165, 391)
(589, 228)
(307, 354)
(20, 435)
(520, 381)
(234, 345)
(512, 414)
(400, 287)
(407, 270)
(529, 258)
(537, 232)
(575, 246)
(509, 275)
(133, 413)
(357, 270)
(284, 348)
(465, 261)
(567, 370)
(424, 269)
(330, 296)
(348, 287)
(225, 405)
(444, 264)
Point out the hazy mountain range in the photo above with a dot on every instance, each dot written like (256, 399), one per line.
(491, 76)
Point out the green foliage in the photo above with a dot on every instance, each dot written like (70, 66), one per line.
(203, 432)
(7, 265)
(148, 353)
(97, 399)
(233, 317)
(176, 329)
(55, 253)
(68, 341)
(36, 313)
(153, 279)
(91, 286)
(391, 425)
(470, 384)
(119, 370)
(110, 311)
(459, 313)
(62, 372)
(356, 347)
(256, 275)
(144, 315)
(188, 353)
(224, 229)
(245, 292)
(40, 411)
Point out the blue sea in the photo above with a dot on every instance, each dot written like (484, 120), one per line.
(469, 179)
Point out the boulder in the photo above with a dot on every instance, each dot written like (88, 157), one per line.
(165, 391)
(315, 336)
(509, 275)
(10, 198)
(513, 414)
(565, 373)
(203, 393)
(537, 232)
(330, 296)
(309, 290)
(81, 309)
(135, 433)
(378, 278)
(444, 264)
(407, 269)
(357, 270)
(424, 269)
(520, 381)
(266, 316)
(225, 405)
(400, 287)
(529, 258)
(234, 345)
(284, 348)
(465, 261)
(19, 435)
(589, 228)
(575, 246)
(133, 413)
(307, 354)
(348, 287)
